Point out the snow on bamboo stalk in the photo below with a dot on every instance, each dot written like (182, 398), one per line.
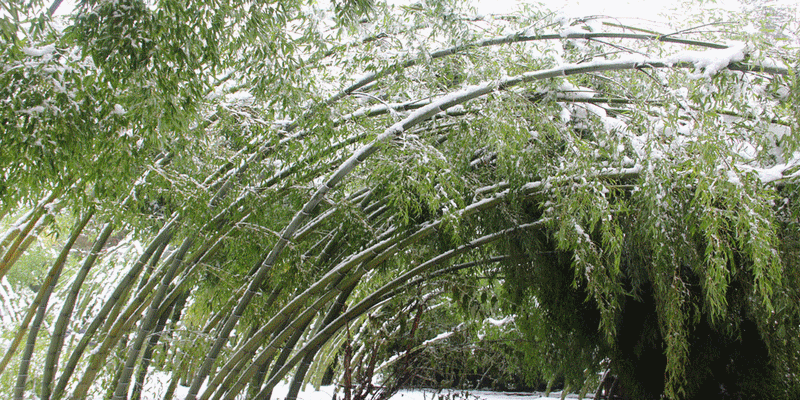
(517, 37)
(48, 285)
(15, 229)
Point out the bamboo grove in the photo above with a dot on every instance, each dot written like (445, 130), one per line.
(245, 193)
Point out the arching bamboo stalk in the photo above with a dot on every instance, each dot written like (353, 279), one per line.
(125, 284)
(287, 349)
(229, 375)
(116, 335)
(220, 193)
(147, 356)
(177, 373)
(151, 266)
(359, 156)
(289, 236)
(118, 324)
(249, 347)
(57, 339)
(26, 320)
(517, 37)
(19, 235)
(60, 328)
(255, 384)
(48, 285)
(333, 312)
(373, 255)
(206, 251)
(380, 294)
(30, 239)
(302, 320)
(299, 376)
(149, 322)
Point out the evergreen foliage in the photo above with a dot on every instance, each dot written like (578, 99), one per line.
(336, 192)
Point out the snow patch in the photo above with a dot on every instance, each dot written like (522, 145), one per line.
(40, 52)
(733, 177)
(776, 172)
(118, 110)
(565, 115)
(500, 322)
(33, 110)
(708, 63)
(438, 337)
(240, 97)
(572, 30)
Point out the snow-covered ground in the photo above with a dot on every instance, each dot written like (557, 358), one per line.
(473, 395)
(325, 393)
(157, 384)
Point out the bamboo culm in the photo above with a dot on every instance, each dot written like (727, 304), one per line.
(45, 291)
(125, 284)
(60, 328)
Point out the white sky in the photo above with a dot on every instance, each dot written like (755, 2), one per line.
(657, 10)
(618, 8)
(653, 10)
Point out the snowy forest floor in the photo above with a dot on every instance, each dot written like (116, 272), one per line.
(157, 386)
